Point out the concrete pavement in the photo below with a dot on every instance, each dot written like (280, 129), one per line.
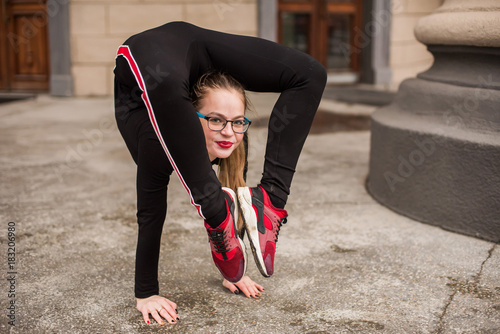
(345, 264)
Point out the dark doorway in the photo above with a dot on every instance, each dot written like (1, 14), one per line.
(24, 57)
(325, 29)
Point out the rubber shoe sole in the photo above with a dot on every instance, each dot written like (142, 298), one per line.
(250, 219)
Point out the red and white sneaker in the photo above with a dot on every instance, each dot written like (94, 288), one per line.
(228, 250)
(262, 222)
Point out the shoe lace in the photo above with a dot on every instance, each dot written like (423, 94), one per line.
(281, 222)
(219, 240)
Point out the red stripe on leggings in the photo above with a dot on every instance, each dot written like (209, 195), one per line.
(124, 51)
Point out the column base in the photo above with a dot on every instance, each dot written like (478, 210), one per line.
(435, 156)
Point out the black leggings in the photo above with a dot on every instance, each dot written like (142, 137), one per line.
(154, 72)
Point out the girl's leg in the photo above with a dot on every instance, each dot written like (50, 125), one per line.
(265, 66)
(155, 64)
(165, 108)
(268, 67)
(167, 60)
(179, 132)
(153, 173)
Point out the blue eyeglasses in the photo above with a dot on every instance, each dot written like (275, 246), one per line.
(218, 124)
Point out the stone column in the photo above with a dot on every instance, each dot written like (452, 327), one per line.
(435, 151)
(375, 56)
(61, 79)
(268, 19)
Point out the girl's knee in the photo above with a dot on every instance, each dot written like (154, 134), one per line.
(308, 74)
(318, 74)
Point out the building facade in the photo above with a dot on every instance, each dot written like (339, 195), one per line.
(68, 47)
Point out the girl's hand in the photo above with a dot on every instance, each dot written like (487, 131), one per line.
(158, 307)
(245, 285)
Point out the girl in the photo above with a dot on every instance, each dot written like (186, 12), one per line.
(169, 125)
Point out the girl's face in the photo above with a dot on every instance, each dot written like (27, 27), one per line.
(225, 105)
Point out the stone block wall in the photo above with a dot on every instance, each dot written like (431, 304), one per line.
(98, 27)
(408, 56)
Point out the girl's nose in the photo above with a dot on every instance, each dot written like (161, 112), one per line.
(228, 129)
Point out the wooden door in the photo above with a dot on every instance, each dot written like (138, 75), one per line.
(24, 61)
(326, 29)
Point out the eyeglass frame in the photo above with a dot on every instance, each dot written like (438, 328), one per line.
(200, 115)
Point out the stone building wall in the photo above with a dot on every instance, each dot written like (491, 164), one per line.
(98, 27)
(407, 55)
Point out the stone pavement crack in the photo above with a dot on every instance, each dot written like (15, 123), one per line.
(439, 330)
(457, 287)
(490, 253)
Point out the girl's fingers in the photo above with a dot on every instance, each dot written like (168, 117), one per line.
(159, 307)
(172, 305)
(162, 312)
(145, 316)
(156, 316)
(245, 291)
(230, 286)
(249, 288)
(170, 319)
(255, 292)
(227, 284)
(248, 291)
(169, 312)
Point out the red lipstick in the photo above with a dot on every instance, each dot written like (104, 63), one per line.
(224, 144)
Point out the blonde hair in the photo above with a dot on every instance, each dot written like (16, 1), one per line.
(232, 170)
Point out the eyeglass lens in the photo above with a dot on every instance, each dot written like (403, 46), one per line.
(238, 126)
